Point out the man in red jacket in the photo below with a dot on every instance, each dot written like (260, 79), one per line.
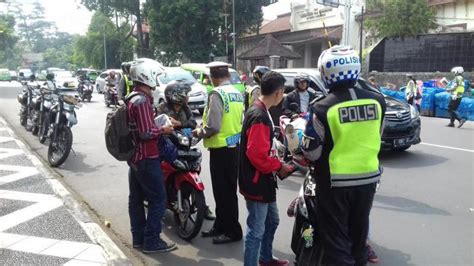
(259, 167)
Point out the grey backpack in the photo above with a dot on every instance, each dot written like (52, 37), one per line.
(118, 132)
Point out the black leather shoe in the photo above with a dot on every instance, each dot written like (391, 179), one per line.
(211, 233)
(223, 239)
(209, 215)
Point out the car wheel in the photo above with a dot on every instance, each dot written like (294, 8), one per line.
(400, 149)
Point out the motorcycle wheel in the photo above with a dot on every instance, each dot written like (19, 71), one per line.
(44, 128)
(23, 120)
(58, 150)
(189, 221)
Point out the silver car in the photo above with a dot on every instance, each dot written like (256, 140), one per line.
(197, 96)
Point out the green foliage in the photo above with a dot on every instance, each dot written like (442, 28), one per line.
(248, 15)
(400, 18)
(89, 49)
(8, 40)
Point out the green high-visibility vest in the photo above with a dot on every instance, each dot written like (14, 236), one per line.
(231, 125)
(355, 129)
(459, 91)
(128, 85)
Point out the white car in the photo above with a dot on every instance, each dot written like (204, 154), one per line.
(100, 80)
(62, 77)
(197, 96)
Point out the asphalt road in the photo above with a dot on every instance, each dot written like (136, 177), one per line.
(422, 214)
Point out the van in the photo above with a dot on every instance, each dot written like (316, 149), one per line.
(201, 74)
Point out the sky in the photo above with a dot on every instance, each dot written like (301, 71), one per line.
(70, 16)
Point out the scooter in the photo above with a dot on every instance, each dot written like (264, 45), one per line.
(184, 187)
(85, 90)
(304, 237)
(111, 96)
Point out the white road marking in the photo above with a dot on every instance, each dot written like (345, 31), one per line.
(21, 172)
(7, 152)
(447, 147)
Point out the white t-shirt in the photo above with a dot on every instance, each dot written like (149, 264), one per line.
(304, 101)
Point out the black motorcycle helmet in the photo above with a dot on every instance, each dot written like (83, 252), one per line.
(301, 77)
(176, 92)
(258, 73)
(126, 67)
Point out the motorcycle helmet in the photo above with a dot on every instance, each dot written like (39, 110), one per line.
(258, 73)
(177, 92)
(145, 71)
(112, 74)
(126, 67)
(339, 67)
(301, 77)
(457, 70)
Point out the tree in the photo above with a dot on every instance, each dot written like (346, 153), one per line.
(124, 9)
(8, 51)
(89, 49)
(248, 15)
(400, 18)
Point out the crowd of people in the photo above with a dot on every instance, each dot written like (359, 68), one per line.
(239, 134)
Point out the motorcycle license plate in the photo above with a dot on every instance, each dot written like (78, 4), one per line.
(400, 142)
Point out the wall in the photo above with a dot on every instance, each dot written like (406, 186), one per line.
(459, 12)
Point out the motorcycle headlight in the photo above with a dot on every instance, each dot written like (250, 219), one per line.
(183, 140)
(413, 112)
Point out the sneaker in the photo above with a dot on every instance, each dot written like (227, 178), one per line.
(450, 125)
(461, 122)
(275, 262)
(160, 246)
(372, 255)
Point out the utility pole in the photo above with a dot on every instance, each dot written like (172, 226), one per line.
(105, 50)
(234, 34)
(361, 32)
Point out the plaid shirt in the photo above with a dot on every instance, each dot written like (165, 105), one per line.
(146, 133)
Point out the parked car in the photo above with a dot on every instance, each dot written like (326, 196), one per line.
(26, 73)
(201, 73)
(63, 76)
(5, 74)
(197, 96)
(402, 126)
(100, 80)
(13, 75)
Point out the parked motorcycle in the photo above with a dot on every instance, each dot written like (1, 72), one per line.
(85, 90)
(44, 120)
(25, 98)
(64, 115)
(184, 187)
(304, 237)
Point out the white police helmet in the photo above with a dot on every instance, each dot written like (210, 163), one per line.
(339, 67)
(146, 71)
(457, 70)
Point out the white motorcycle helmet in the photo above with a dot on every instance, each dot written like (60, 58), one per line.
(339, 67)
(457, 70)
(146, 71)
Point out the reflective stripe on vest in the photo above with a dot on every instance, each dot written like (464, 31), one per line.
(356, 132)
(231, 125)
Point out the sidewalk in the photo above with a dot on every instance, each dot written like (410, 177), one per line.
(40, 222)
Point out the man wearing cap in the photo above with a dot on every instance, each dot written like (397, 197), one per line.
(222, 123)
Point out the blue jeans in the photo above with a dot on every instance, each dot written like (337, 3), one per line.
(146, 183)
(262, 223)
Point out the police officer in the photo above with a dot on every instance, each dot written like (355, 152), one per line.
(342, 140)
(252, 92)
(125, 84)
(222, 123)
(457, 91)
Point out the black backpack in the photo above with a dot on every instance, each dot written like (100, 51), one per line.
(118, 137)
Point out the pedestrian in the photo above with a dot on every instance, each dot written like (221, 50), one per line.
(222, 123)
(252, 91)
(342, 140)
(176, 108)
(297, 101)
(457, 91)
(410, 91)
(145, 176)
(259, 167)
(373, 82)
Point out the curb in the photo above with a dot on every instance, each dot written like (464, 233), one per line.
(113, 254)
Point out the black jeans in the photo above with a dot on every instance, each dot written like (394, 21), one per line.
(343, 224)
(224, 169)
(453, 109)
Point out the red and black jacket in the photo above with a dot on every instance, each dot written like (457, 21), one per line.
(257, 164)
